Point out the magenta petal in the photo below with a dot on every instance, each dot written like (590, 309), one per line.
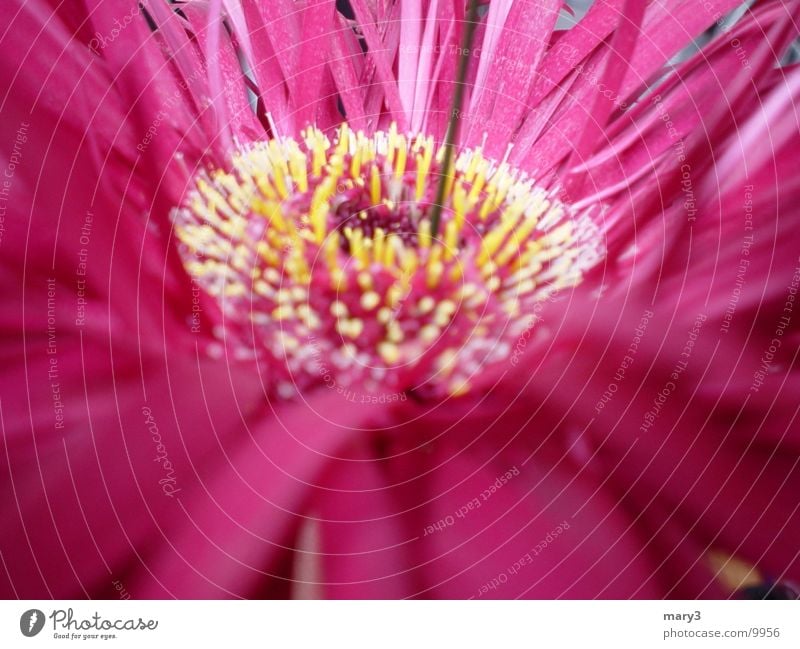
(140, 448)
(709, 459)
(410, 54)
(544, 533)
(382, 62)
(236, 525)
(367, 543)
(622, 46)
(344, 63)
(506, 71)
(317, 18)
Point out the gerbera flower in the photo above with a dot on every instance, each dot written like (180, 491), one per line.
(265, 336)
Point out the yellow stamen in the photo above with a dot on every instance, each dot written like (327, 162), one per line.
(345, 224)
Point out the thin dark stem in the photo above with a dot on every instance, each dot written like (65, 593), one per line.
(454, 122)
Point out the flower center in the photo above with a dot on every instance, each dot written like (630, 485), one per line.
(322, 258)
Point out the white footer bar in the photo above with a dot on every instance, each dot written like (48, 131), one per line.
(401, 625)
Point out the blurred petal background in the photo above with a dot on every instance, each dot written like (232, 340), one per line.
(641, 441)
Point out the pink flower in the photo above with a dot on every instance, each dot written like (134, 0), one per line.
(243, 359)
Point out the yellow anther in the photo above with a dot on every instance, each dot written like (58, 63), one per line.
(389, 352)
(364, 280)
(283, 312)
(402, 155)
(355, 164)
(458, 387)
(525, 286)
(422, 177)
(375, 185)
(289, 343)
(263, 289)
(491, 242)
(391, 144)
(560, 234)
(435, 270)
(447, 360)
(280, 182)
(394, 333)
(332, 250)
(424, 234)
(429, 333)
(234, 290)
(450, 240)
(444, 312)
(319, 146)
(357, 248)
(409, 262)
(298, 166)
(426, 304)
(477, 186)
(477, 158)
(343, 145)
(370, 300)
(393, 244)
(488, 205)
(395, 294)
(350, 328)
(356, 327)
(262, 182)
(516, 240)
